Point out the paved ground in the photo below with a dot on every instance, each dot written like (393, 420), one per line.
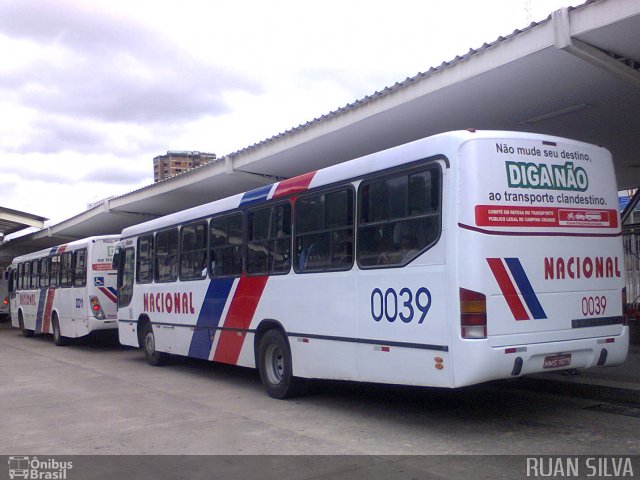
(100, 398)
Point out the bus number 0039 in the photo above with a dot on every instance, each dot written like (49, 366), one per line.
(594, 305)
(404, 304)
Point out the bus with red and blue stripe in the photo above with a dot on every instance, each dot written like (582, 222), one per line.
(456, 259)
(68, 290)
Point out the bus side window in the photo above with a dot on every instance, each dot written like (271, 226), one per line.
(80, 268)
(44, 272)
(166, 265)
(269, 240)
(19, 277)
(33, 282)
(54, 273)
(12, 283)
(225, 237)
(24, 280)
(399, 217)
(66, 269)
(144, 260)
(324, 232)
(193, 251)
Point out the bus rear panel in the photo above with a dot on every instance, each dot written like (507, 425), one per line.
(541, 265)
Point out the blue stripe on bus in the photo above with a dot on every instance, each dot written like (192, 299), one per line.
(257, 195)
(530, 297)
(40, 312)
(210, 315)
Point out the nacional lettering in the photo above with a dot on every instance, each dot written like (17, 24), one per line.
(28, 298)
(543, 176)
(176, 302)
(559, 268)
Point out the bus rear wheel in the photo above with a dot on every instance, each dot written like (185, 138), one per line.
(148, 344)
(58, 339)
(276, 368)
(25, 331)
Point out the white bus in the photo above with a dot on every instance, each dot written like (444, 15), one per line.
(68, 290)
(449, 261)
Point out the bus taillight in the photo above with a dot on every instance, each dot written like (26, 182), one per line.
(473, 314)
(5, 301)
(96, 308)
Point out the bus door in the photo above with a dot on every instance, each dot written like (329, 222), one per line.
(125, 263)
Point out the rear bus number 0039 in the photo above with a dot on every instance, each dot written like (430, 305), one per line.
(403, 304)
(593, 306)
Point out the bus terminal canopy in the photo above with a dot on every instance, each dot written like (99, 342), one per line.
(575, 74)
(12, 221)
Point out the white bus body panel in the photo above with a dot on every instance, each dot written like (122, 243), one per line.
(540, 237)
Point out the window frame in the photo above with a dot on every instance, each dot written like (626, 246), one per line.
(431, 163)
(34, 276)
(205, 249)
(243, 233)
(151, 259)
(18, 277)
(54, 275)
(83, 271)
(26, 275)
(286, 202)
(45, 273)
(348, 187)
(12, 280)
(66, 266)
(174, 278)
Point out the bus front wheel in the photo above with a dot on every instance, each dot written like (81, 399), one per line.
(148, 345)
(276, 368)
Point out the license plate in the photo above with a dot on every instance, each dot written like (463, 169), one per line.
(557, 361)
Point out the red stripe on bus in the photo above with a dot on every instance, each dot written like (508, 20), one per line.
(294, 185)
(48, 306)
(507, 288)
(241, 311)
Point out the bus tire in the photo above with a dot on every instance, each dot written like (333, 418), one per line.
(58, 339)
(276, 367)
(26, 333)
(148, 345)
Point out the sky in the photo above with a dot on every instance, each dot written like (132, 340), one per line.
(92, 90)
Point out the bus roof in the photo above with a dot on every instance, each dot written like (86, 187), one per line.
(70, 246)
(446, 144)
